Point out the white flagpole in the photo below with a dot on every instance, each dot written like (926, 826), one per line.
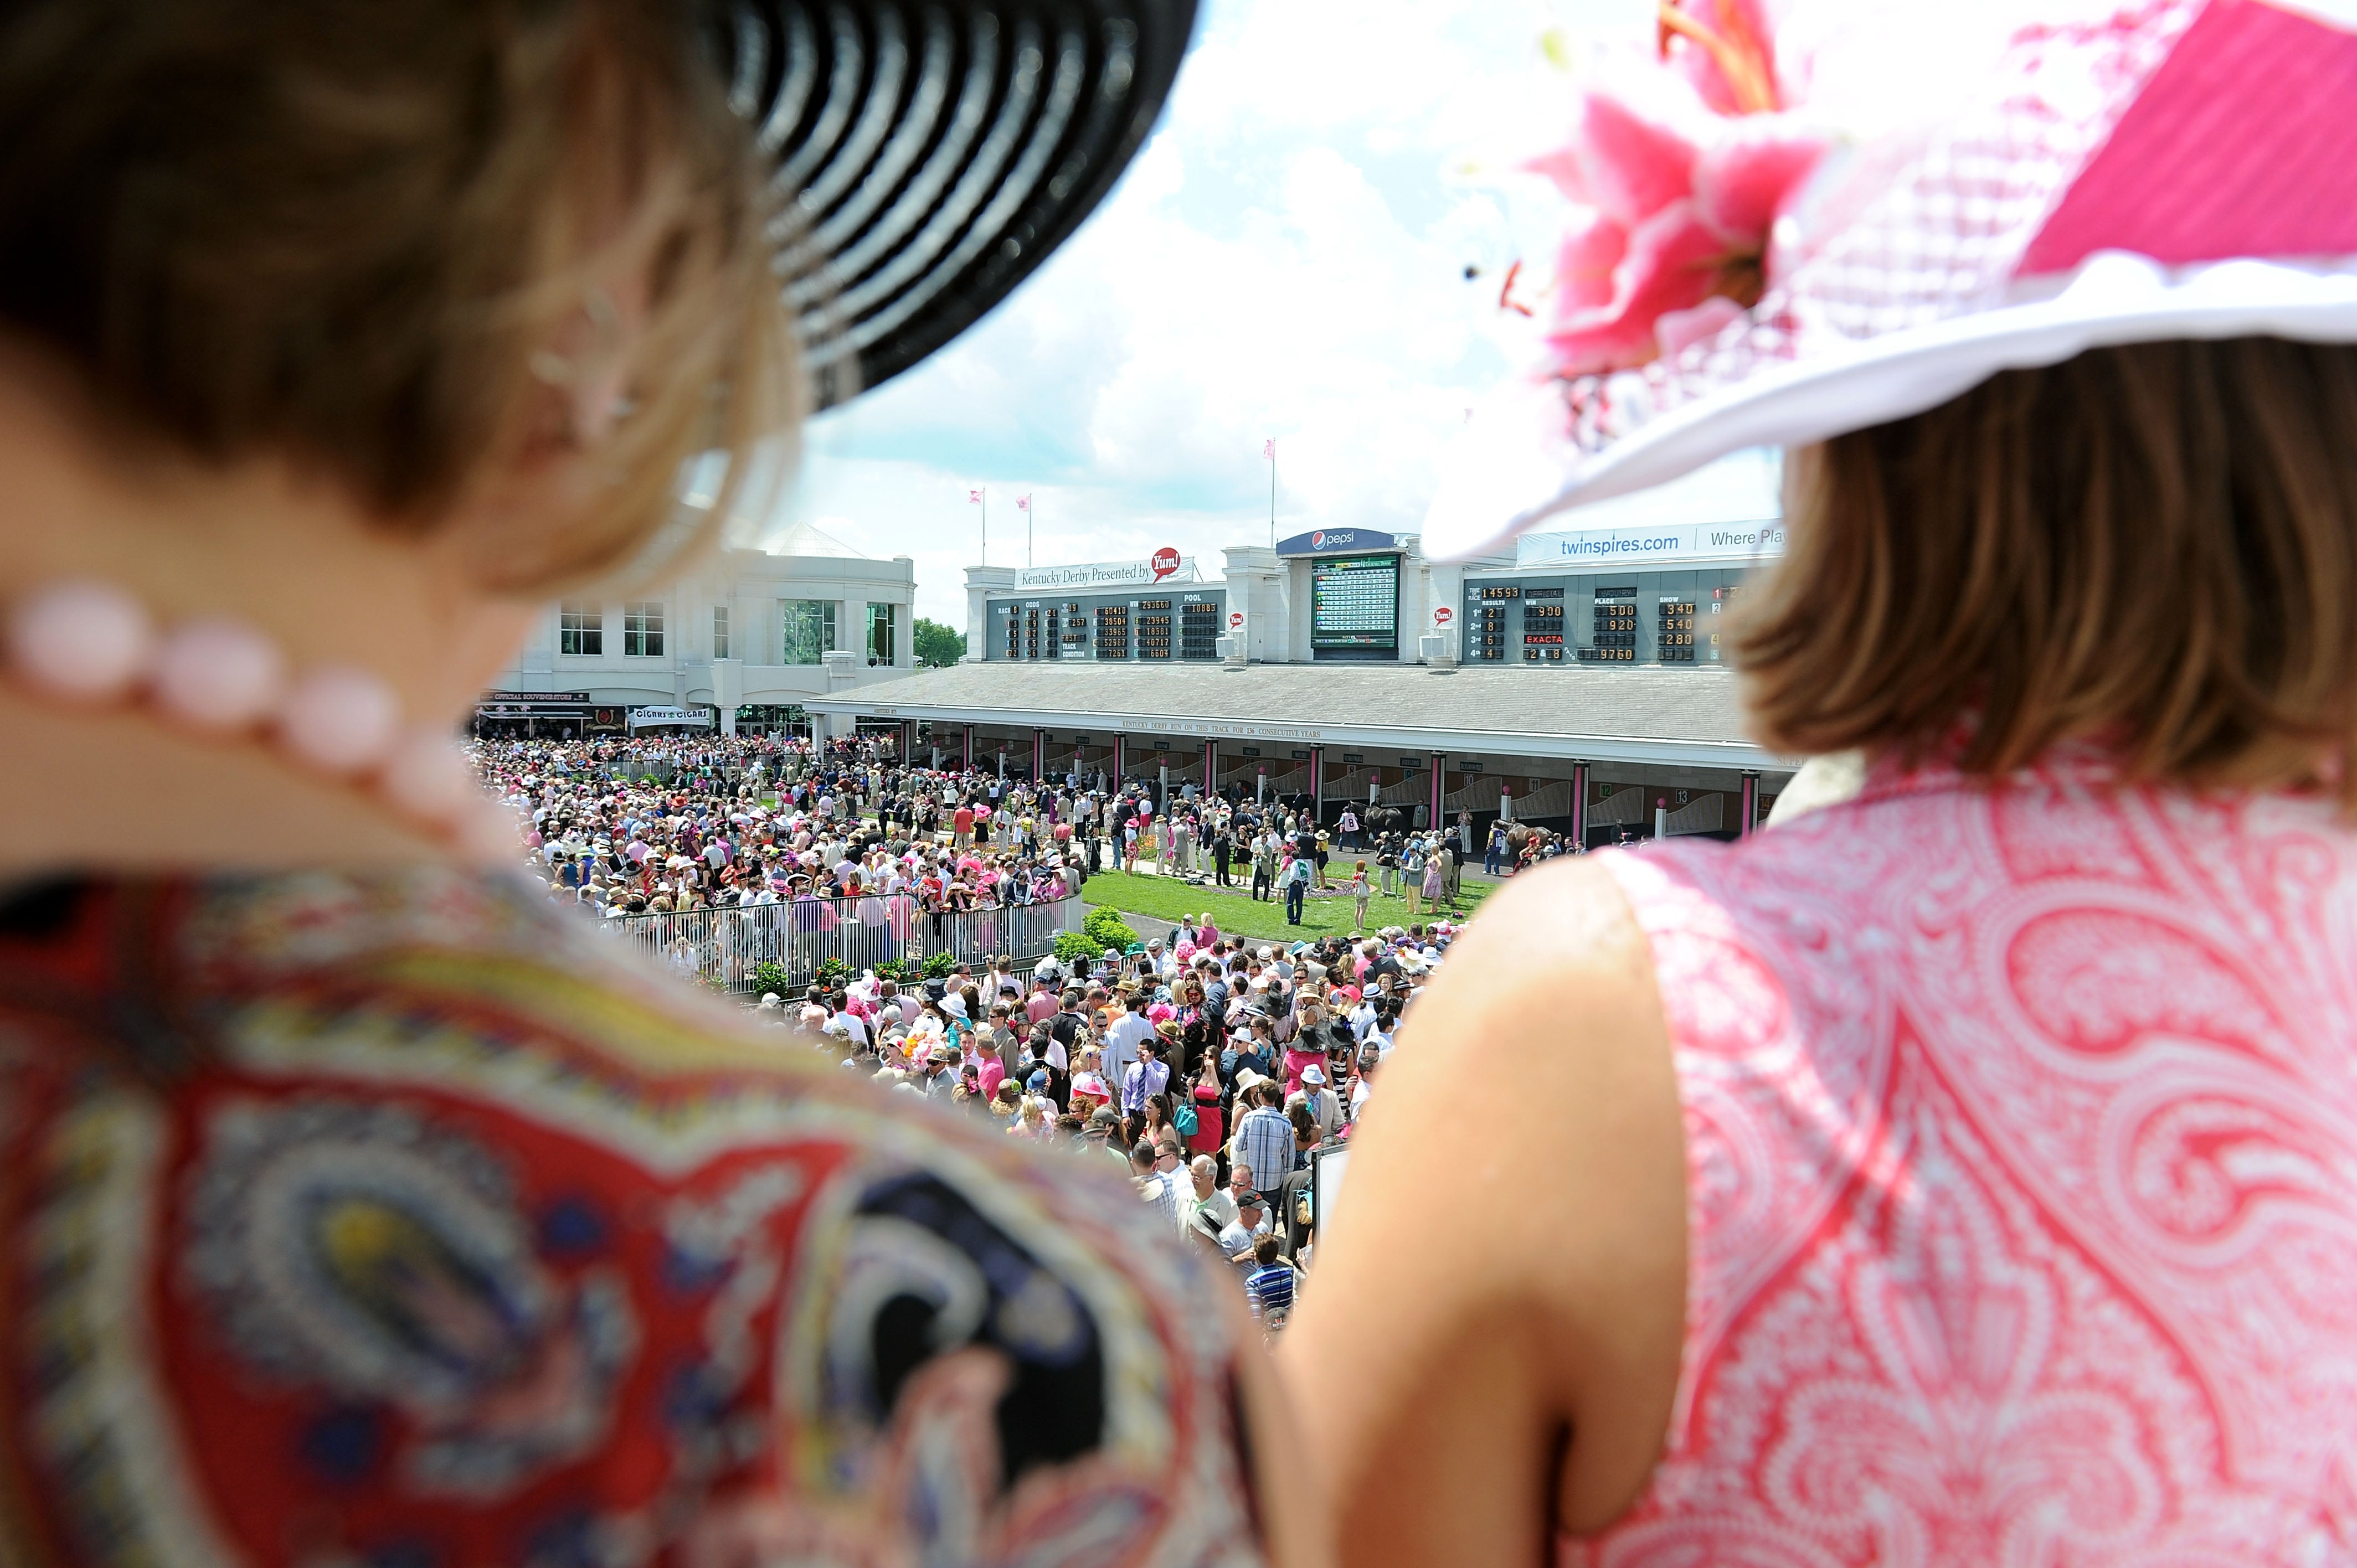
(1269, 446)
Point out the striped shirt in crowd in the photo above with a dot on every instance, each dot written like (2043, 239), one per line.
(1269, 1289)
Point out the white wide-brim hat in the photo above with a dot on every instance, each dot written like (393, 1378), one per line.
(2175, 169)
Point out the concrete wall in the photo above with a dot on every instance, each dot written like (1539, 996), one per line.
(751, 584)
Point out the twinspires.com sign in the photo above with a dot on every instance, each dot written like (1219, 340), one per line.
(1683, 543)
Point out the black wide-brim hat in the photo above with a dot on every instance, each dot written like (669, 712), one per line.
(929, 154)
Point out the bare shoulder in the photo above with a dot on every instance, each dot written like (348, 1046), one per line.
(1516, 1200)
(1561, 932)
(1544, 1032)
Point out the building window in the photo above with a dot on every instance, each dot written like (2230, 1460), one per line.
(721, 631)
(642, 629)
(805, 631)
(580, 629)
(883, 620)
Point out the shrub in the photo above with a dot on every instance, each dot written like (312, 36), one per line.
(1075, 947)
(939, 965)
(1106, 929)
(771, 975)
(833, 972)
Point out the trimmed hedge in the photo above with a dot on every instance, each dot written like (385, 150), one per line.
(1106, 929)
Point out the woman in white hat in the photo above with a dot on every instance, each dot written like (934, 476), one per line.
(1965, 1172)
(363, 1209)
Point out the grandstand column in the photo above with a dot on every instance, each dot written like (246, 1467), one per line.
(1579, 806)
(1038, 754)
(1317, 784)
(1751, 809)
(1438, 763)
(1210, 768)
(908, 743)
(1120, 762)
(966, 758)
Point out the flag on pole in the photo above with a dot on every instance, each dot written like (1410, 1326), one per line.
(1022, 503)
(973, 498)
(1268, 448)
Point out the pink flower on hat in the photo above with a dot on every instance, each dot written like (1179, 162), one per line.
(1726, 48)
(1677, 243)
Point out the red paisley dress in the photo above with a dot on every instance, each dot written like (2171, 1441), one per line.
(2022, 1142)
(400, 1222)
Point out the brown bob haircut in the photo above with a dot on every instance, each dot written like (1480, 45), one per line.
(2150, 548)
(352, 234)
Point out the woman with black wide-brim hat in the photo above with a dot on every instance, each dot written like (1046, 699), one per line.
(361, 1208)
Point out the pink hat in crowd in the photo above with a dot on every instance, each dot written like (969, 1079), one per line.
(1828, 214)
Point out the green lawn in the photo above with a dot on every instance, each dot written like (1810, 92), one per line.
(1237, 914)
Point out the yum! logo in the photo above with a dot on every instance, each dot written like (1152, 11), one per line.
(1165, 562)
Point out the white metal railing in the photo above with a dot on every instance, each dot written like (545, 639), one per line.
(802, 934)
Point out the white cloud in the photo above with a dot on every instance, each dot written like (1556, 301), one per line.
(1286, 258)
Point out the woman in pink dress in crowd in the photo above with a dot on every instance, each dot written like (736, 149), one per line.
(1965, 1172)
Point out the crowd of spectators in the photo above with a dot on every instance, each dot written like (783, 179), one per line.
(652, 826)
(1208, 1066)
(639, 826)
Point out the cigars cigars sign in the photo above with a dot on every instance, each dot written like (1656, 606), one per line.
(1165, 566)
(671, 718)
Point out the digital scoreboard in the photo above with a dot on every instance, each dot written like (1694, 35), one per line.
(1613, 617)
(1175, 626)
(1614, 639)
(1354, 606)
(1199, 630)
(1113, 631)
(1487, 636)
(1154, 629)
(1673, 631)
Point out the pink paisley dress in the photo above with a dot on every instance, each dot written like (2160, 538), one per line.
(2022, 1142)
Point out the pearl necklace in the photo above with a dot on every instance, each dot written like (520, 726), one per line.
(90, 645)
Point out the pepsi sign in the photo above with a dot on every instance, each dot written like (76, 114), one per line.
(1334, 541)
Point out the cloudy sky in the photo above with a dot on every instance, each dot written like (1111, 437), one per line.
(1286, 258)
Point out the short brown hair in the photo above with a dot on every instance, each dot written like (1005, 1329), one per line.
(346, 233)
(2152, 548)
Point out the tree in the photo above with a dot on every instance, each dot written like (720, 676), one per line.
(937, 645)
